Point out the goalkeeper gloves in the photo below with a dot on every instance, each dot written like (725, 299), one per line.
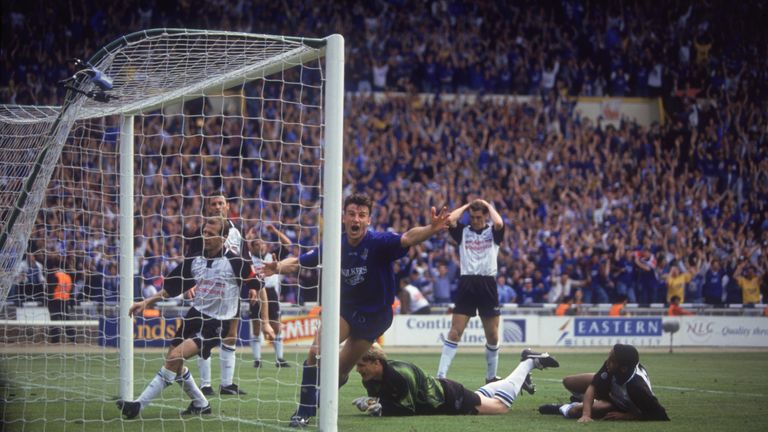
(362, 403)
(368, 405)
(374, 410)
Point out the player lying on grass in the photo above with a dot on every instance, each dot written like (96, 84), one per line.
(220, 277)
(620, 390)
(399, 388)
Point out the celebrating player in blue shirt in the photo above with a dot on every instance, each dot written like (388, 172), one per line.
(367, 289)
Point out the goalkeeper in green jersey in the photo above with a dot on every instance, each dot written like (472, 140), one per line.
(399, 388)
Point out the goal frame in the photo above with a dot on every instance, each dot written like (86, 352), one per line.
(332, 48)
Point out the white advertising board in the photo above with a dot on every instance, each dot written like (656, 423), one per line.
(429, 330)
(722, 331)
(585, 331)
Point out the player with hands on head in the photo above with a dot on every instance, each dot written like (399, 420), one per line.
(221, 278)
(367, 289)
(478, 245)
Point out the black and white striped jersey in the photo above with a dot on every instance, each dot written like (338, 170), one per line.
(633, 394)
(478, 250)
(220, 283)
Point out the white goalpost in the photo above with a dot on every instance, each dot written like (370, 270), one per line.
(100, 197)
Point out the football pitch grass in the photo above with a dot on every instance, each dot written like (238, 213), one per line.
(702, 391)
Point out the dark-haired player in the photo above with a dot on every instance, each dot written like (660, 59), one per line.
(477, 293)
(367, 289)
(620, 390)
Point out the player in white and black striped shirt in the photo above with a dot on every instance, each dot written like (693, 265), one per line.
(216, 204)
(620, 390)
(478, 245)
(260, 254)
(220, 278)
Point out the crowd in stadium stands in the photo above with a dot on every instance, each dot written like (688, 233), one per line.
(592, 211)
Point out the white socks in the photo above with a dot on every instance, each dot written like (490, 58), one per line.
(449, 352)
(163, 379)
(507, 389)
(190, 388)
(564, 409)
(204, 365)
(166, 377)
(227, 357)
(278, 344)
(256, 347)
(491, 360)
(227, 354)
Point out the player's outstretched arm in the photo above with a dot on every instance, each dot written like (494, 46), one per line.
(286, 266)
(417, 235)
(139, 307)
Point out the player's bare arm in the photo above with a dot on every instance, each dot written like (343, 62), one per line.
(269, 332)
(496, 219)
(284, 240)
(286, 266)
(417, 235)
(589, 399)
(140, 306)
(455, 215)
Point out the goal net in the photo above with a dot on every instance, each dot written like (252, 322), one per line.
(121, 188)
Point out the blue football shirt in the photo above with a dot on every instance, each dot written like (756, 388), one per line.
(367, 279)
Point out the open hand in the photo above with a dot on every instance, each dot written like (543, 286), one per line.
(268, 331)
(269, 269)
(137, 308)
(440, 220)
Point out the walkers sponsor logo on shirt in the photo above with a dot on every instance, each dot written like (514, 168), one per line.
(354, 276)
(210, 288)
(479, 244)
(478, 252)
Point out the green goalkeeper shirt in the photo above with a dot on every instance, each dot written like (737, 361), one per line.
(406, 390)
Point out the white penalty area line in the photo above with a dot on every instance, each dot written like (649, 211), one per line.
(31, 386)
(689, 389)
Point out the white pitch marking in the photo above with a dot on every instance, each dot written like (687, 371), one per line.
(683, 389)
(29, 386)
